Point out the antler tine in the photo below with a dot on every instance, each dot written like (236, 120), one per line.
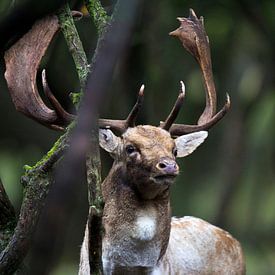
(21, 72)
(64, 116)
(122, 125)
(174, 113)
(180, 129)
(77, 15)
(195, 40)
(131, 119)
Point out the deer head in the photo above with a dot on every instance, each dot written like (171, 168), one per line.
(147, 154)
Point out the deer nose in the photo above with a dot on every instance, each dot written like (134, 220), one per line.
(168, 166)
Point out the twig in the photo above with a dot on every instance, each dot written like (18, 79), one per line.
(75, 45)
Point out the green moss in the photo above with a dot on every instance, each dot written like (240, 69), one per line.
(76, 98)
(98, 14)
(74, 44)
(27, 167)
(57, 145)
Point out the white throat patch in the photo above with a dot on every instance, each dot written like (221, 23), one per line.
(145, 225)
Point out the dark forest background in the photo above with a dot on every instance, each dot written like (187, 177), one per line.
(230, 180)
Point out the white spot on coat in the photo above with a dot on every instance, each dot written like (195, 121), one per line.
(145, 225)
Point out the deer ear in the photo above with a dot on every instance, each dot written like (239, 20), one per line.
(109, 141)
(187, 144)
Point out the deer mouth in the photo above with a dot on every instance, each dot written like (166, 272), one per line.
(165, 178)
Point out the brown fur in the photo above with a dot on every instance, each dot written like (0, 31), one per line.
(129, 188)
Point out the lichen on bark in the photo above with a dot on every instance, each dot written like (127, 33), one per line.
(93, 163)
(74, 44)
(98, 14)
(37, 183)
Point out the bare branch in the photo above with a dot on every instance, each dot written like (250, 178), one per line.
(37, 186)
(75, 46)
(98, 14)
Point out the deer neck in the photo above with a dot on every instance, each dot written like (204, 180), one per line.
(136, 229)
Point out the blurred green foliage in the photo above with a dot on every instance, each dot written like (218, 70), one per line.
(230, 180)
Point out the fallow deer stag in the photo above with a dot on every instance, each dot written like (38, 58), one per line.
(139, 235)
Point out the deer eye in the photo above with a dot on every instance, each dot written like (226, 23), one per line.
(175, 152)
(130, 149)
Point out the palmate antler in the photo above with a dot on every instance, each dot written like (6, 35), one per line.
(22, 62)
(195, 40)
(21, 79)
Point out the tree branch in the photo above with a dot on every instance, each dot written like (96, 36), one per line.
(74, 44)
(37, 182)
(7, 218)
(98, 14)
(93, 163)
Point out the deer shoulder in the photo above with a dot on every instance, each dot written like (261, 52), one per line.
(198, 247)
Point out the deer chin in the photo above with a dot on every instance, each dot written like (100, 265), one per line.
(152, 188)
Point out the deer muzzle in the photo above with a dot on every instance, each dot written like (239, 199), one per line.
(167, 168)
